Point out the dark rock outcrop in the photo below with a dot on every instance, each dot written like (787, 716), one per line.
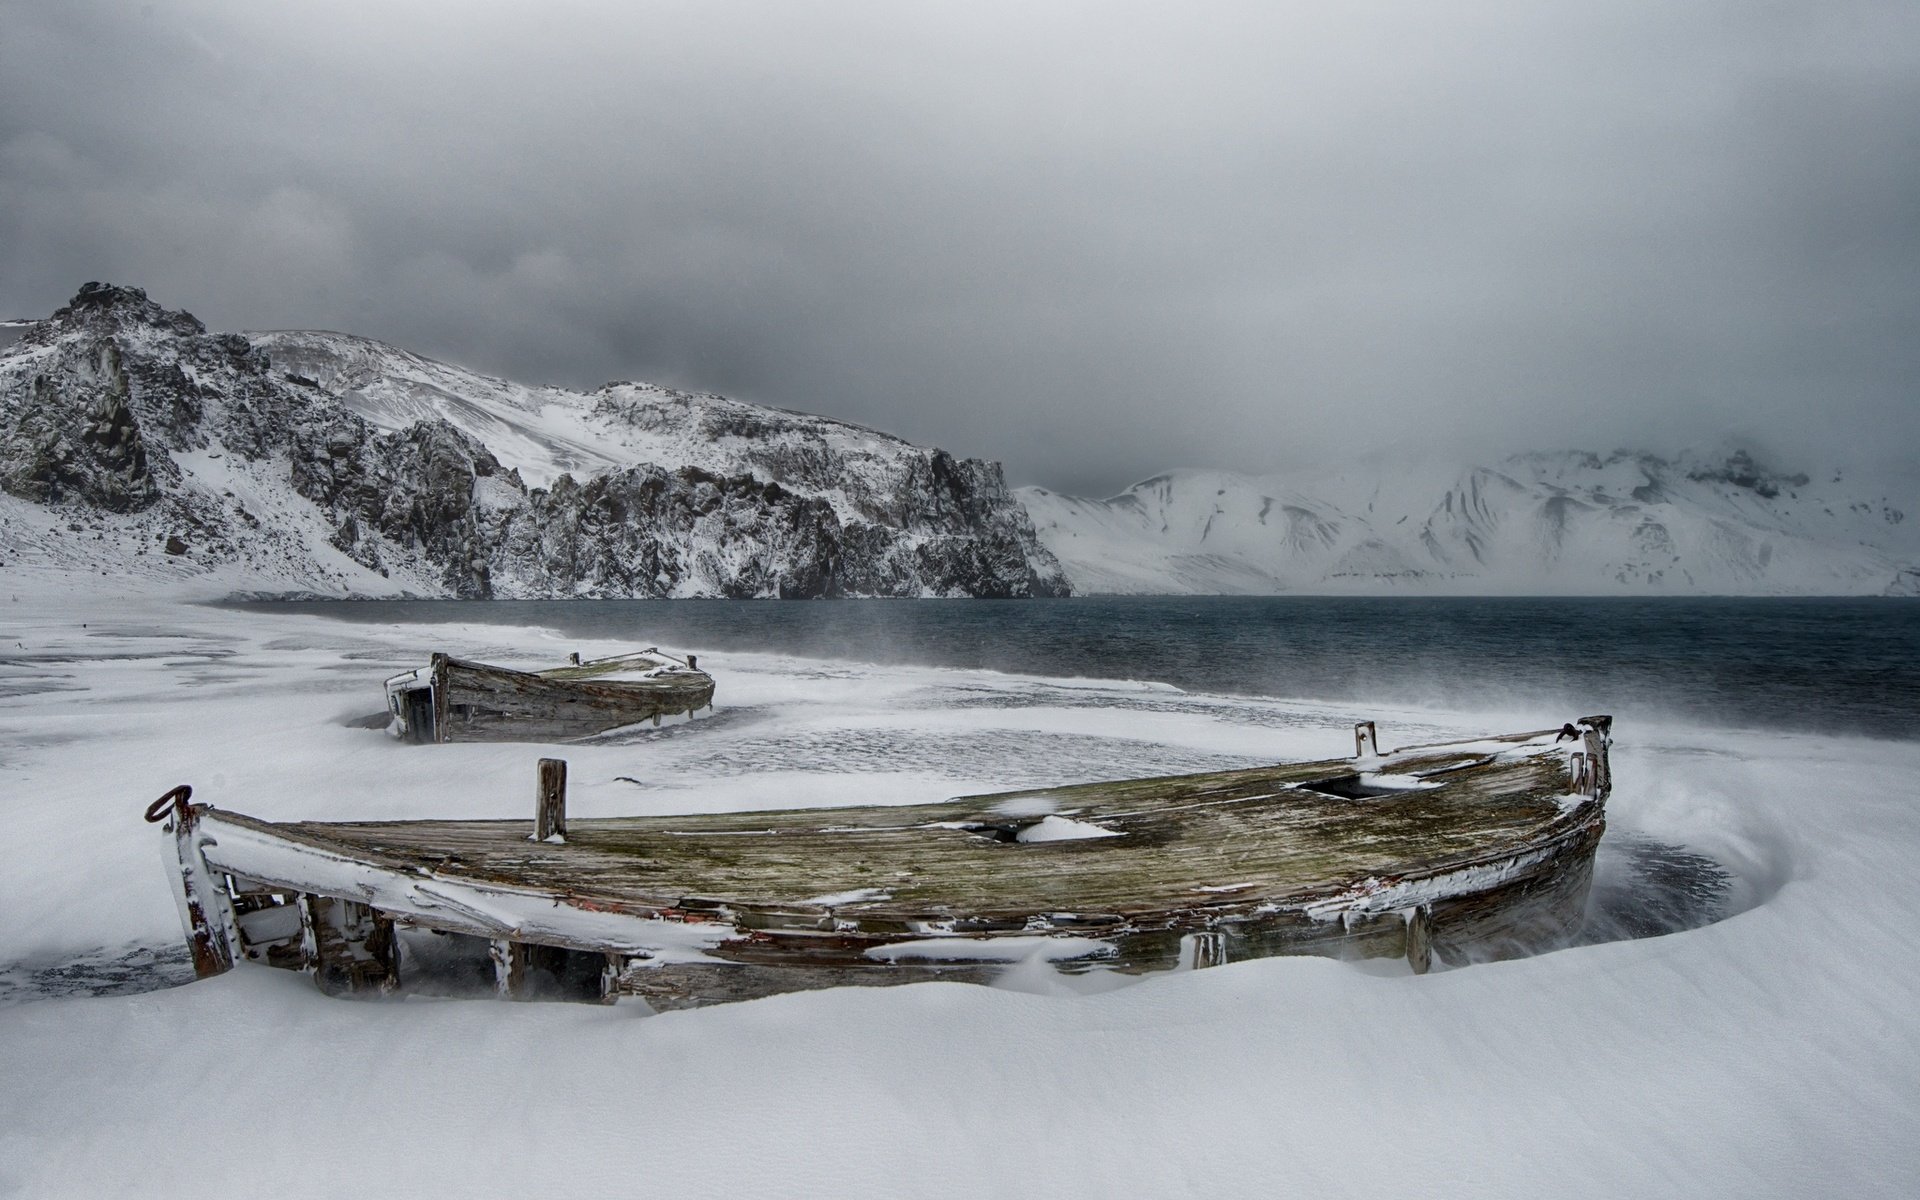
(119, 405)
(1740, 470)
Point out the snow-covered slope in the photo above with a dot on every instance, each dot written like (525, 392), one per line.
(1568, 522)
(132, 440)
(544, 432)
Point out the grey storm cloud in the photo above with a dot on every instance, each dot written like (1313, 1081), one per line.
(1092, 240)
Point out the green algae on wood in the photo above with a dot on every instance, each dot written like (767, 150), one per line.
(1453, 851)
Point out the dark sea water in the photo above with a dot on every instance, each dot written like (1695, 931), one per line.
(1845, 666)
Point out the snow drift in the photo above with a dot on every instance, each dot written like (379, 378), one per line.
(1771, 1053)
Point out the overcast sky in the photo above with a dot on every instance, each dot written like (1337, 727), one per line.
(1090, 240)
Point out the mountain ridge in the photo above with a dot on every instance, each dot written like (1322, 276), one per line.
(133, 441)
(1544, 522)
(332, 464)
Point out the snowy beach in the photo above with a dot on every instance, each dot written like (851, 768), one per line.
(990, 399)
(1773, 1052)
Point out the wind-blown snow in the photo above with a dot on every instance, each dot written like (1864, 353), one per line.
(1563, 523)
(1772, 1053)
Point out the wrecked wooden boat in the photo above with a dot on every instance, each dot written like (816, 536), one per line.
(1457, 851)
(454, 700)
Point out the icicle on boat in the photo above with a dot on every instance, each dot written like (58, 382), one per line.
(1457, 851)
(453, 700)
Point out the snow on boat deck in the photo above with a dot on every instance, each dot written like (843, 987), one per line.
(1487, 851)
(1260, 829)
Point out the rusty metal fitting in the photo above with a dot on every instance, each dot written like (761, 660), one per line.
(175, 800)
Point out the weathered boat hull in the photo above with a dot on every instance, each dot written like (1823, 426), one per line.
(1458, 852)
(1540, 912)
(1540, 906)
(454, 700)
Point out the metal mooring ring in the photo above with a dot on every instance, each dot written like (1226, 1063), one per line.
(177, 798)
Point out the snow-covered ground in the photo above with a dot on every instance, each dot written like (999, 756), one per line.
(1775, 1052)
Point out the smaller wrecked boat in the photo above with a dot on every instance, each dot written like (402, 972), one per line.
(454, 700)
(1460, 851)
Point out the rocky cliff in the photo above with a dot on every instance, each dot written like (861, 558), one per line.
(133, 439)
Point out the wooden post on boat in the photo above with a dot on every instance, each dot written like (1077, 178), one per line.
(205, 909)
(510, 962)
(550, 806)
(693, 662)
(442, 710)
(1599, 737)
(1204, 949)
(529, 971)
(1577, 781)
(1419, 939)
(513, 961)
(1366, 740)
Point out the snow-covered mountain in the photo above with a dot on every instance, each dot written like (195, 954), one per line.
(134, 441)
(544, 432)
(1558, 523)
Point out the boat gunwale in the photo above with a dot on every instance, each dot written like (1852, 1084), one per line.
(1261, 897)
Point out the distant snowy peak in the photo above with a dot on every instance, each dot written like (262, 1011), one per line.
(1565, 522)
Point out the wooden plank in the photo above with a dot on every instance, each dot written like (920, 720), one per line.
(354, 948)
(696, 985)
(417, 713)
(1207, 948)
(1246, 828)
(1419, 939)
(439, 667)
(532, 971)
(510, 963)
